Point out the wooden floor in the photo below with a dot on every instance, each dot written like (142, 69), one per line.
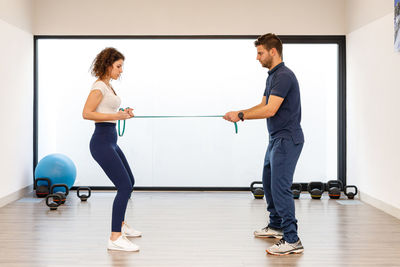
(194, 229)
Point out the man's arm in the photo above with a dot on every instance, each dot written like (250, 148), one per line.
(261, 111)
(264, 111)
(263, 102)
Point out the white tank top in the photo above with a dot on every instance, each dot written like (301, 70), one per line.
(110, 102)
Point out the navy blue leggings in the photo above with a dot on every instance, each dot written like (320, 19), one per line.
(104, 149)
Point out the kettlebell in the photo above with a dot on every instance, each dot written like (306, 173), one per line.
(296, 190)
(316, 189)
(42, 190)
(350, 194)
(84, 197)
(63, 196)
(53, 205)
(334, 188)
(258, 192)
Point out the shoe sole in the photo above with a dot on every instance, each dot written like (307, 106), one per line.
(296, 251)
(269, 236)
(132, 235)
(120, 249)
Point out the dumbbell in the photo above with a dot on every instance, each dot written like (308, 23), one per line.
(316, 189)
(42, 190)
(296, 190)
(63, 195)
(334, 188)
(84, 197)
(53, 205)
(258, 192)
(350, 194)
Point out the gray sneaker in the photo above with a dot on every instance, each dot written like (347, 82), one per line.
(268, 232)
(285, 248)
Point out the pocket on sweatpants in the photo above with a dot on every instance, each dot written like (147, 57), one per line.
(281, 145)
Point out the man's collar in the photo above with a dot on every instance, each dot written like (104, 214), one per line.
(276, 67)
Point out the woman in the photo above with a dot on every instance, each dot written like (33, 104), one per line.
(102, 107)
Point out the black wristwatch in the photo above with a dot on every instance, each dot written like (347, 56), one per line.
(240, 115)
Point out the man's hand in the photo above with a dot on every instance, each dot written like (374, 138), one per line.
(232, 116)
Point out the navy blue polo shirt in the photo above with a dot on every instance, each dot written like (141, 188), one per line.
(286, 123)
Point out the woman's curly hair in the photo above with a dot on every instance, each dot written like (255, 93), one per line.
(105, 59)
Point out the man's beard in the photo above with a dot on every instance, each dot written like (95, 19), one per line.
(267, 64)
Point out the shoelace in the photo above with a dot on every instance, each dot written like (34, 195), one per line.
(281, 242)
(266, 228)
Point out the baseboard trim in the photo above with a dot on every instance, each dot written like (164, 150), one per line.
(16, 195)
(379, 204)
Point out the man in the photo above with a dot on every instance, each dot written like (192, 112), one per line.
(282, 109)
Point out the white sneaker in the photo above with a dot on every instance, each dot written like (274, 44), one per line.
(268, 232)
(129, 231)
(122, 243)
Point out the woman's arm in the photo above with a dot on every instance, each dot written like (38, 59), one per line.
(89, 110)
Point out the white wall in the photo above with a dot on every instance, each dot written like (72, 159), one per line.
(17, 13)
(189, 17)
(16, 70)
(362, 12)
(372, 103)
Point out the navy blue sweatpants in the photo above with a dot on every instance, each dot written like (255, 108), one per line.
(279, 165)
(104, 149)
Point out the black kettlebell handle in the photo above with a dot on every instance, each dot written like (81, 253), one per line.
(42, 179)
(85, 188)
(350, 186)
(296, 186)
(59, 185)
(334, 183)
(315, 185)
(252, 185)
(53, 196)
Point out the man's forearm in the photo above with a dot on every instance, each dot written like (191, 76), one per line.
(253, 108)
(258, 112)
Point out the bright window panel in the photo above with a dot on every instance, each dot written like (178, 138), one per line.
(186, 77)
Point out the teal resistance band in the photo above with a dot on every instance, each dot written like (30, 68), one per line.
(156, 117)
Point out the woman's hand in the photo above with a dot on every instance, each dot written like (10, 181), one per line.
(123, 115)
(130, 112)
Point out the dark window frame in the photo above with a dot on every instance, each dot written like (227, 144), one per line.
(340, 40)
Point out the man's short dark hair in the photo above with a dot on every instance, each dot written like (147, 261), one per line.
(270, 41)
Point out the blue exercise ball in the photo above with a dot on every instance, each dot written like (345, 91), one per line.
(58, 168)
